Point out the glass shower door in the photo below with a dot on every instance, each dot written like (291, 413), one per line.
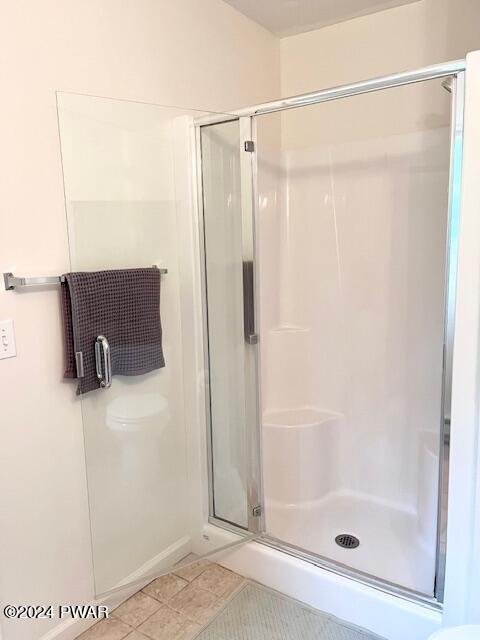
(128, 178)
(229, 311)
(355, 234)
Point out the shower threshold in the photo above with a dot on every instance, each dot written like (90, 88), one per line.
(336, 567)
(350, 573)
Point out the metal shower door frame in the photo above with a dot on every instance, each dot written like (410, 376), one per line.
(254, 483)
(456, 71)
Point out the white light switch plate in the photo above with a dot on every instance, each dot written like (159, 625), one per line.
(7, 339)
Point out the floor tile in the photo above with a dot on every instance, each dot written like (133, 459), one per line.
(110, 629)
(167, 624)
(219, 581)
(136, 635)
(191, 557)
(195, 603)
(194, 595)
(165, 587)
(136, 609)
(192, 571)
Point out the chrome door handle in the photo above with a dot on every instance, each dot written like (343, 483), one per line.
(103, 348)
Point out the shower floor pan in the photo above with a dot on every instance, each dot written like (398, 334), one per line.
(390, 547)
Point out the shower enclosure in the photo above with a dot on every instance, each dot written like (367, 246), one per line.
(308, 317)
(353, 197)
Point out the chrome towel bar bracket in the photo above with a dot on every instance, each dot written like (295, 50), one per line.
(16, 282)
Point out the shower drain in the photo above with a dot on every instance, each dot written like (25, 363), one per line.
(347, 541)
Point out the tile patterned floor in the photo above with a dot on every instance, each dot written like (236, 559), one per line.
(173, 607)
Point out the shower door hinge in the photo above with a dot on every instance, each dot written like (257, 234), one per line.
(249, 146)
(257, 511)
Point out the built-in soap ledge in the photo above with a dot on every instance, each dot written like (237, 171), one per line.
(298, 463)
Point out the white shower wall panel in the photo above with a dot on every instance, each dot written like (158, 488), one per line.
(359, 293)
(390, 204)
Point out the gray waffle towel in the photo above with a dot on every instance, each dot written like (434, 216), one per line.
(124, 306)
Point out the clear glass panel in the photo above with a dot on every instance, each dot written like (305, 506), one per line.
(229, 295)
(128, 185)
(353, 208)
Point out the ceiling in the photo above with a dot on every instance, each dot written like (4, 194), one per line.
(287, 17)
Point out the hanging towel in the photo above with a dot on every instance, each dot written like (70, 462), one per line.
(122, 305)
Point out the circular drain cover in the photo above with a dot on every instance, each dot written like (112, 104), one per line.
(347, 541)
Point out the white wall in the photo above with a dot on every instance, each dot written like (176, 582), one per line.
(181, 53)
(399, 39)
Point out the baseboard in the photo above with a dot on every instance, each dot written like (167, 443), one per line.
(161, 562)
(71, 629)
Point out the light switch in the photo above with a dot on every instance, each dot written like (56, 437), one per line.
(7, 339)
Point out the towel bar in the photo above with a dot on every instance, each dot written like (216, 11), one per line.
(16, 282)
